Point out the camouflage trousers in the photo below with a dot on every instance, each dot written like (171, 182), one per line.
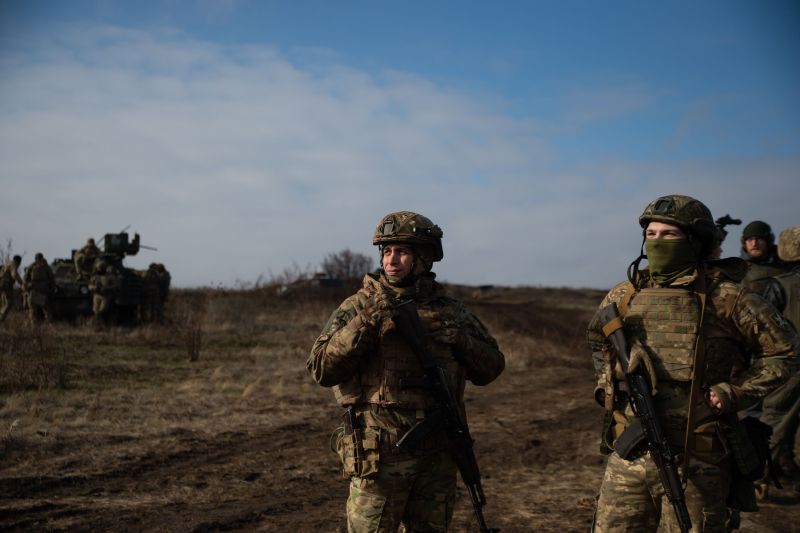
(632, 497)
(413, 493)
(38, 307)
(780, 410)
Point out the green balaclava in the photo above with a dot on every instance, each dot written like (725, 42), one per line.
(670, 259)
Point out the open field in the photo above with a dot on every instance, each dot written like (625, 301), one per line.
(119, 430)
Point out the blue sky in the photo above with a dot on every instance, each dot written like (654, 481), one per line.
(242, 138)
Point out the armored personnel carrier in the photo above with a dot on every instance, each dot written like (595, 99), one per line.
(73, 297)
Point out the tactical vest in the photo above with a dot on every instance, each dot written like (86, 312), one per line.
(790, 281)
(40, 278)
(393, 377)
(665, 323)
(757, 275)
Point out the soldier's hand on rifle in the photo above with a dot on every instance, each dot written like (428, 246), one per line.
(446, 331)
(377, 308)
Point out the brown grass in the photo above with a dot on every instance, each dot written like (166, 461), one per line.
(127, 431)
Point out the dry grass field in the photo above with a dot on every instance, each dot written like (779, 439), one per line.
(211, 423)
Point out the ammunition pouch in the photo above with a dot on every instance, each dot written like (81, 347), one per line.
(358, 451)
(748, 442)
(631, 443)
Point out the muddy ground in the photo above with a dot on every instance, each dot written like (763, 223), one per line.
(139, 438)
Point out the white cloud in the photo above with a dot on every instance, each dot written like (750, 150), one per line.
(235, 162)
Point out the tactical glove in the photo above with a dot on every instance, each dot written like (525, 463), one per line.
(447, 331)
(375, 309)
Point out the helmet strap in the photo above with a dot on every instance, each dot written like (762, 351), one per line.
(633, 268)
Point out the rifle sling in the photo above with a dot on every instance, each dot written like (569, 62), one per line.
(612, 326)
(698, 373)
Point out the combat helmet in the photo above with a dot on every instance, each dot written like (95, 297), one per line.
(689, 214)
(413, 229)
(758, 228)
(789, 244)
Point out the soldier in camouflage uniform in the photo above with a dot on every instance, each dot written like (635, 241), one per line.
(373, 371)
(682, 302)
(85, 257)
(760, 252)
(40, 284)
(104, 284)
(164, 281)
(9, 274)
(781, 409)
(152, 307)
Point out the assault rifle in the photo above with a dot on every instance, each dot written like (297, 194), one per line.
(444, 415)
(641, 400)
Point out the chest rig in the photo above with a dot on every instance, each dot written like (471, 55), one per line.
(391, 376)
(665, 323)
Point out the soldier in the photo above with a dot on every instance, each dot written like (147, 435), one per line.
(373, 371)
(9, 274)
(781, 409)
(39, 284)
(689, 322)
(164, 280)
(104, 284)
(85, 257)
(152, 306)
(759, 250)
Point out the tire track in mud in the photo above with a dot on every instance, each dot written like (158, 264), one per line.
(127, 496)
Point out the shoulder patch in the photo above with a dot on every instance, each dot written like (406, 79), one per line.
(780, 321)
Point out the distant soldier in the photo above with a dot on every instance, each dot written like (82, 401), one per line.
(164, 281)
(85, 257)
(759, 250)
(781, 409)
(152, 309)
(104, 284)
(40, 284)
(9, 274)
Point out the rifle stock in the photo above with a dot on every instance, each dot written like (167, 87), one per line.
(445, 415)
(641, 400)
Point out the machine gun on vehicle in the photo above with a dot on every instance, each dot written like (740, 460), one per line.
(722, 222)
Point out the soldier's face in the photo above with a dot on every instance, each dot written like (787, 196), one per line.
(662, 230)
(397, 260)
(755, 246)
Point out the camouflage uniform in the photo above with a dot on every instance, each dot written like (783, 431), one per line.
(85, 258)
(104, 284)
(9, 275)
(661, 324)
(781, 408)
(164, 281)
(371, 368)
(152, 309)
(39, 284)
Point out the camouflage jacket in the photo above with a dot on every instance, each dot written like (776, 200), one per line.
(39, 278)
(8, 275)
(367, 365)
(750, 349)
(104, 284)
